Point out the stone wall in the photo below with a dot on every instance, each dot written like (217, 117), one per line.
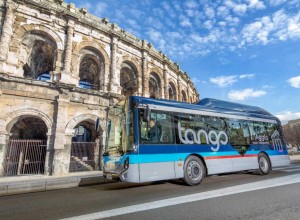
(64, 66)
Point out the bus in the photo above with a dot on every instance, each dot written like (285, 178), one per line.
(156, 139)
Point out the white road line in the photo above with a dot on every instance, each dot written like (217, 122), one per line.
(280, 181)
(288, 167)
(290, 170)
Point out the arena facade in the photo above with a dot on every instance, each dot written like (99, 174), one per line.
(60, 68)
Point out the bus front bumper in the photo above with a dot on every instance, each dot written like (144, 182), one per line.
(111, 176)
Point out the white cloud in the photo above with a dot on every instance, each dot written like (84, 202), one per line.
(240, 9)
(209, 12)
(256, 4)
(209, 24)
(86, 5)
(136, 13)
(169, 9)
(267, 87)
(287, 116)
(279, 26)
(246, 76)
(224, 81)
(184, 21)
(196, 80)
(156, 37)
(191, 4)
(173, 35)
(276, 2)
(198, 39)
(295, 81)
(222, 11)
(100, 8)
(133, 24)
(240, 95)
(258, 31)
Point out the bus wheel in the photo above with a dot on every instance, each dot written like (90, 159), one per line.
(194, 171)
(264, 164)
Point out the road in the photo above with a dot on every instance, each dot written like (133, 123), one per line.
(275, 196)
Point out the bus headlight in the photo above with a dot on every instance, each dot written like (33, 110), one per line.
(126, 163)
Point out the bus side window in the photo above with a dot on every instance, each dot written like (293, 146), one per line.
(158, 130)
(259, 133)
(239, 135)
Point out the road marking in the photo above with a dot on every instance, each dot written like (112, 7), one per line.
(280, 181)
(284, 168)
(290, 170)
(287, 166)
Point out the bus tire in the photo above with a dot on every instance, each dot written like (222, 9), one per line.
(264, 164)
(194, 171)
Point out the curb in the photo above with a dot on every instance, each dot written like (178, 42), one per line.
(20, 186)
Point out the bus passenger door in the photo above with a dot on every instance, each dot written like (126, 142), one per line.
(240, 134)
(156, 147)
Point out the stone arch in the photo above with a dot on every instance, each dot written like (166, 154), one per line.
(84, 142)
(128, 78)
(78, 119)
(133, 62)
(91, 67)
(97, 46)
(158, 71)
(184, 97)
(156, 80)
(24, 29)
(97, 49)
(29, 31)
(172, 90)
(11, 118)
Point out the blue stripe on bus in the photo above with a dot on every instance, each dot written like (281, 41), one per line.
(155, 158)
(183, 148)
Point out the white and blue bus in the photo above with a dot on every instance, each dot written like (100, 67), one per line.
(156, 139)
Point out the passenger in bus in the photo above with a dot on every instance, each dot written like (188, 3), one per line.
(154, 131)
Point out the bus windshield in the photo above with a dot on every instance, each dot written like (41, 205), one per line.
(119, 133)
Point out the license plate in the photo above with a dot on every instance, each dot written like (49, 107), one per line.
(109, 176)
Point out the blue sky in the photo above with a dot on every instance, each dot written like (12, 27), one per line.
(246, 51)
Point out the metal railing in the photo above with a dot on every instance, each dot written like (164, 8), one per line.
(25, 157)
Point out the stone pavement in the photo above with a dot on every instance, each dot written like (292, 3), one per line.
(37, 183)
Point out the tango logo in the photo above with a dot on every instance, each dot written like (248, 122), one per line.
(212, 137)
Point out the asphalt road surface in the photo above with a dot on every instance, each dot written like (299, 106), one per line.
(231, 196)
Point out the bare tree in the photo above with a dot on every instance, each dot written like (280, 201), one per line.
(292, 134)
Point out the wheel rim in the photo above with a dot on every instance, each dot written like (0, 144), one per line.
(263, 164)
(194, 171)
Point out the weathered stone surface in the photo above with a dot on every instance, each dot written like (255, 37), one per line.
(46, 57)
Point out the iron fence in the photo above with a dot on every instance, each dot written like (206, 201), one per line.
(25, 157)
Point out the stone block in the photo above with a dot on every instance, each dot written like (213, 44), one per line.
(12, 58)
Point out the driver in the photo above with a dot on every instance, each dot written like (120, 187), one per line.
(153, 133)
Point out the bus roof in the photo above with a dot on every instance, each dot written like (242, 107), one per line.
(210, 105)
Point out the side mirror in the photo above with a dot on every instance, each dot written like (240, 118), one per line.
(147, 113)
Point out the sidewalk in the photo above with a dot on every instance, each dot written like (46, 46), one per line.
(37, 183)
(295, 157)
